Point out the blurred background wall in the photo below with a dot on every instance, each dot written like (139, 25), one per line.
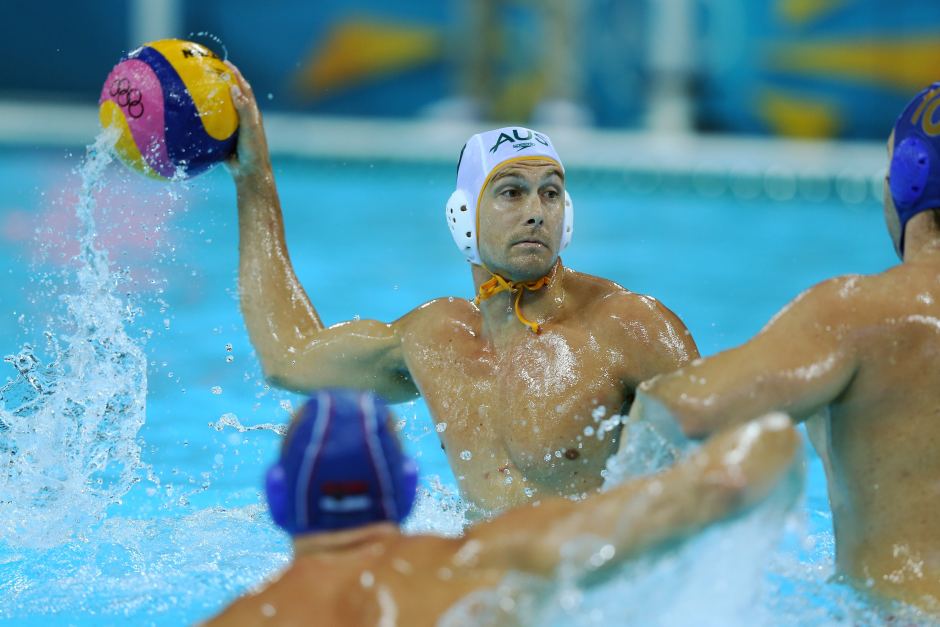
(805, 68)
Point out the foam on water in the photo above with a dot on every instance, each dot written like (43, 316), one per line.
(68, 427)
(145, 571)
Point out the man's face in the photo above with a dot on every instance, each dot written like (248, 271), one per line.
(521, 214)
(891, 214)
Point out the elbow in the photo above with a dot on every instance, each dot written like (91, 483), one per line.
(671, 419)
(694, 427)
(280, 376)
(276, 379)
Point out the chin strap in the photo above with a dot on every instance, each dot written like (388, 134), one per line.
(497, 284)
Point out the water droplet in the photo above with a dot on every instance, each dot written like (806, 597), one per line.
(229, 359)
(466, 455)
(217, 389)
(441, 427)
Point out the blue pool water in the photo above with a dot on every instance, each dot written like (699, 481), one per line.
(367, 239)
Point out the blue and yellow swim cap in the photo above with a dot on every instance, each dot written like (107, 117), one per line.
(914, 174)
(340, 467)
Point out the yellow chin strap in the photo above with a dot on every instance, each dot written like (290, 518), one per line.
(497, 284)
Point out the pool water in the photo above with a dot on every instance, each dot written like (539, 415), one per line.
(190, 532)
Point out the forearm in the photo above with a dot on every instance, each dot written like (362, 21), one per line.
(677, 405)
(732, 471)
(295, 349)
(277, 311)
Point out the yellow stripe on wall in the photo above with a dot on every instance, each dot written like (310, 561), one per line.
(802, 12)
(798, 116)
(907, 64)
(358, 51)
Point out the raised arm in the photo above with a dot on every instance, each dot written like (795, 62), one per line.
(295, 349)
(727, 474)
(799, 363)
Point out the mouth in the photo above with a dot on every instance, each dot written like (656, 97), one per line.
(531, 242)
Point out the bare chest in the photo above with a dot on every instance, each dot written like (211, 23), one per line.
(537, 413)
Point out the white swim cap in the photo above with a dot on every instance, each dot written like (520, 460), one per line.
(481, 156)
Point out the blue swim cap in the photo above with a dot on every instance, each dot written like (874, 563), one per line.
(914, 175)
(340, 467)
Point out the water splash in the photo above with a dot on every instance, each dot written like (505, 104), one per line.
(201, 36)
(168, 571)
(68, 427)
(645, 450)
(438, 511)
(715, 578)
(231, 421)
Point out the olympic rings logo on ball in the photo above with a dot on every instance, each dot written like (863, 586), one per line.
(127, 97)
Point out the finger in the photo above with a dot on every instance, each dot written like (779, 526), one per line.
(243, 84)
(239, 99)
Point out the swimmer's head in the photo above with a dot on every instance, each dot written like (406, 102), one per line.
(341, 466)
(913, 182)
(511, 189)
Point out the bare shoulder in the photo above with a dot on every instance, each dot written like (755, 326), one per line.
(608, 298)
(841, 301)
(637, 322)
(441, 315)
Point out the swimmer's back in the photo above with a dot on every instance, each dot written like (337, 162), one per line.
(398, 584)
(884, 430)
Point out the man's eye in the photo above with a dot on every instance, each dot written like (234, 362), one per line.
(553, 194)
(510, 192)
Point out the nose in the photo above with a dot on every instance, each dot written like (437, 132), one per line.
(534, 212)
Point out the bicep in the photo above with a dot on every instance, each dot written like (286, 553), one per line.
(361, 354)
(798, 363)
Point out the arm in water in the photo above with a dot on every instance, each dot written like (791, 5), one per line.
(799, 363)
(730, 472)
(295, 348)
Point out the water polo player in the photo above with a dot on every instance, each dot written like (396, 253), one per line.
(864, 351)
(513, 375)
(342, 485)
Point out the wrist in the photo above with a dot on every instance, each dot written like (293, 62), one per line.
(254, 181)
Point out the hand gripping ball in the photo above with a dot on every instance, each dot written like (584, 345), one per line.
(171, 104)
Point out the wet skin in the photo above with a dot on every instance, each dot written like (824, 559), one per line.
(512, 407)
(858, 357)
(374, 575)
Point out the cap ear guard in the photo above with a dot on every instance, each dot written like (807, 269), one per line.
(461, 219)
(910, 168)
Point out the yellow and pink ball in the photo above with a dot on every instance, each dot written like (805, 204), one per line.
(171, 104)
